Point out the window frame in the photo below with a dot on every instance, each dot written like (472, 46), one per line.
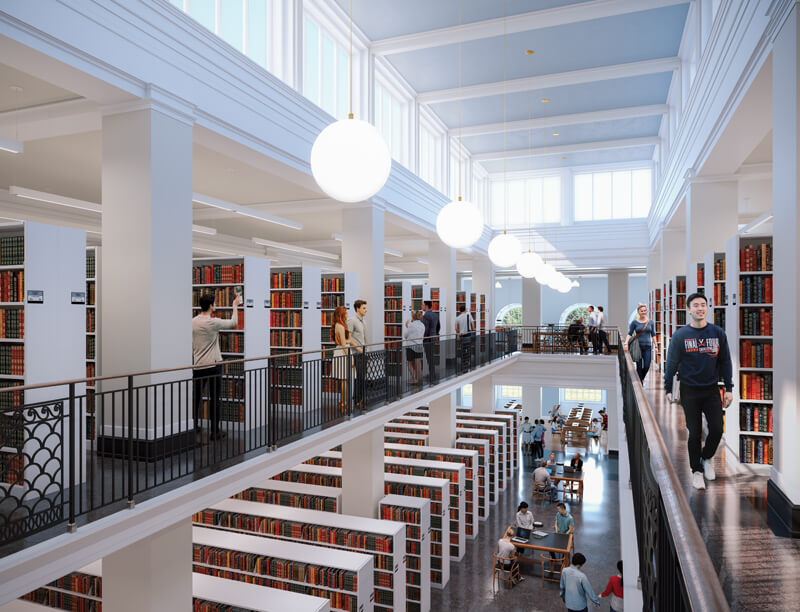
(526, 176)
(611, 168)
(385, 75)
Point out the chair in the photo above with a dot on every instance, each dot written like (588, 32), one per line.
(505, 575)
(539, 492)
(551, 566)
(572, 489)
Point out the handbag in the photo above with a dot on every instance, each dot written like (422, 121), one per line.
(634, 350)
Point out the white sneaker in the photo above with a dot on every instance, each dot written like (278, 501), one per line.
(697, 480)
(708, 470)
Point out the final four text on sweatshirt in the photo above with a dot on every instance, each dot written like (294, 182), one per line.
(700, 356)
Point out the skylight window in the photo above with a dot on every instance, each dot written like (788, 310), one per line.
(621, 194)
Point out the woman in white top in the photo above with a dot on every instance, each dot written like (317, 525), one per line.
(413, 335)
(524, 517)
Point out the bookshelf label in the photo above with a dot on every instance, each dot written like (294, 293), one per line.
(266, 304)
(35, 296)
(78, 297)
(249, 303)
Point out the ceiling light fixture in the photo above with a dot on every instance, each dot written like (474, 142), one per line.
(392, 269)
(11, 146)
(337, 237)
(350, 159)
(498, 285)
(296, 249)
(545, 100)
(202, 229)
(555, 133)
(459, 224)
(244, 211)
(422, 260)
(392, 252)
(215, 252)
(52, 198)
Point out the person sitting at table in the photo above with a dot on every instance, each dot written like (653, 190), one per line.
(564, 524)
(577, 462)
(552, 462)
(524, 517)
(541, 477)
(507, 550)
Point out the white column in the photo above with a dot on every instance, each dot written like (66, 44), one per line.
(673, 253)
(617, 308)
(532, 401)
(709, 205)
(654, 278)
(783, 491)
(531, 302)
(483, 280)
(443, 274)
(362, 253)
(483, 395)
(443, 421)
(153, 574)
(362, 474)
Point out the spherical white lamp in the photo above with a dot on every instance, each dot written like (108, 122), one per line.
(350, 160)
(504, 250)
(545, 273)
(564, 287)
(528, 264)
(459, 224)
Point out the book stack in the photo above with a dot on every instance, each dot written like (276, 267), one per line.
(755, 289)
(294, 495)
(12, 360)
(756, 257)
(12, 250)
(755, 418)
(755, 321)
(218, 274)
(754, 354)
(756, 450)
(12, 323)
(756, 386)
(12, 286)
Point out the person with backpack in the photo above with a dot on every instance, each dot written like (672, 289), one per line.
(643, 332)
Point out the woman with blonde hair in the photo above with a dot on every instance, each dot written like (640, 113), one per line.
(643, 330)
(341, 354)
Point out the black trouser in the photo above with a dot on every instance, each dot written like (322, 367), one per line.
(207, 380)
(696, 402)
(594, 336)
(643, 365)
(465, 351)
(428, 345)
(604, 341)
(360, 382)
(538, 449)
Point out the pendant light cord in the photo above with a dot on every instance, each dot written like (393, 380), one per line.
(350, 115)
(460, 146)
(505, 126)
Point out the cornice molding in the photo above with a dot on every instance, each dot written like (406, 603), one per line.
(623, 143)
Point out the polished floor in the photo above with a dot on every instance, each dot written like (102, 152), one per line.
(596, 536)
(758, 570)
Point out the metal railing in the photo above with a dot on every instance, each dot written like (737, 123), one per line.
(68, 455)
(558, 339)
(675, 568)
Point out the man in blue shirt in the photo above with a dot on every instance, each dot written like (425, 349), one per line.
(699, 354)
(575, 587)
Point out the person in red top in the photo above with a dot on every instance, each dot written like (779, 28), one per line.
(614, 588)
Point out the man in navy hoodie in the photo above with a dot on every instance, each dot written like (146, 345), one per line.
(699, 353)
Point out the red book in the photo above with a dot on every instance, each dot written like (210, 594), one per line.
(769, 420)
(768, 289)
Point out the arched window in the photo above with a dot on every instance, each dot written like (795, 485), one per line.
(576, 311)
(510, 314)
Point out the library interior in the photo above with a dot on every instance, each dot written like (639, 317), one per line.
(492, 305)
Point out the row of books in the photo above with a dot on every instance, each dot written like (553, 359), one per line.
(680, 302)
(329, 302)
(680, 317)
(90, 347)
(217, 274)
(680, 285)
(755, 290)
(203, 605)
(756, 258)
(701, 277)
(393, 331)
(230, 411)
(231, 343)
(332, 284)
(12, 250)
(287, 377)
(292, 397)
(12, 360)
(285, 318)
(719, 269)
(91, 265)
(12, 429)
(392, 289)
(90, 370)
(12, 285)
(755, 450)
(223, 296)
(12, 323)
(287, 299)
(91, 293)
(286, 337)
(91, 320)
(63, 601)
(756, 386)
(286, 280)
(720, 317)
(755, 321)
(393, 317)
(392, 304)
(755, 418)
(414, 470)
(719, 295)
(754, 354)
(285, 498)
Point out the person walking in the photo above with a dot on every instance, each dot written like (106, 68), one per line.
(527, 436)
(413, 335)
(538, 439)
(602, 322)
(465, 330)
(341, 361)
(643, 330)
(430, 320)
(615, 590)
(207, 360)
(699, 355)
(575, 586)
(358, 332)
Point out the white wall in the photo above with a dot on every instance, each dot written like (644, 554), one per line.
(637, 290)
(593, 290)
(509, 293)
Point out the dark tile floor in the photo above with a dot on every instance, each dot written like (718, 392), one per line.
(758, 570)
(596, 536)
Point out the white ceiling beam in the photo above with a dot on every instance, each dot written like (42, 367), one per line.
(546, 81)
(613, 114)
(282, 208)
(526, 22)
(602, 145)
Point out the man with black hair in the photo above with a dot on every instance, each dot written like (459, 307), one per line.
(465, 328)
(602, 334)
(594, 337)
(430, 320)
(206, 353)
(699, 354)
(575, 586)
(358, 332)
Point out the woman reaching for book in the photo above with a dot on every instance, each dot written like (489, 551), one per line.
(341, 354)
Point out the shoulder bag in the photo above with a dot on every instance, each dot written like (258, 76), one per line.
(634, 349)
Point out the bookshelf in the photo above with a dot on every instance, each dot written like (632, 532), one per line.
(656, 314)
(454, 472)
(439, 305)
(78, 590)
(335, 290)
(42, 339)
(294, 495)
(405, 438)
(384, 541)
(419, 293)
(714, 263)
(516, 428)
(20, 605)
(481, 447)
(750, 336)
(213, 594)
(416, 514)
(92, 334)
(433, 489)
(396, 311)
(223, 277)
(294, 317)
(678, 303)
(343, 577)
(463, 298)
(467, 458)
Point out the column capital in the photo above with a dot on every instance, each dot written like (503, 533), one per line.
(157, 99)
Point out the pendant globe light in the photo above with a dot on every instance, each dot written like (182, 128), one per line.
(545, 274)
(528, 264)
(460, 223)
(350, 159)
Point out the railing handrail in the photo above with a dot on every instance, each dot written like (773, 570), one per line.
(77, 381)
(701, 579)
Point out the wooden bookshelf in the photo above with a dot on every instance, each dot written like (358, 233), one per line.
(454, 472)
(396, 311)
(335, 290)
(416, 514)
(42, 339)
(434, 489)
(405, 438)
(223, 277)
(294, 495)
(92, 334)
(383, 540)
(343, 577)
(749, 430)
(78, 590)
(481, 447)
(295, 307)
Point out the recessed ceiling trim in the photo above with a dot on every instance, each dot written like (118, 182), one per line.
(294, 248)
(9, 145)
(557, 79)
(601, 145)
(53, 198)
(244, 211)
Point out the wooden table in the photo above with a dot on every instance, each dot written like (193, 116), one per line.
(568, 479)
(560, 543)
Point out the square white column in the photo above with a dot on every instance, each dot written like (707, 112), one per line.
(483, 395)
(443, 275)
(531, 302)
(362, 474)
(617, 310)
(443, 421)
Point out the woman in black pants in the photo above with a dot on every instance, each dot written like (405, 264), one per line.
(645, 331)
